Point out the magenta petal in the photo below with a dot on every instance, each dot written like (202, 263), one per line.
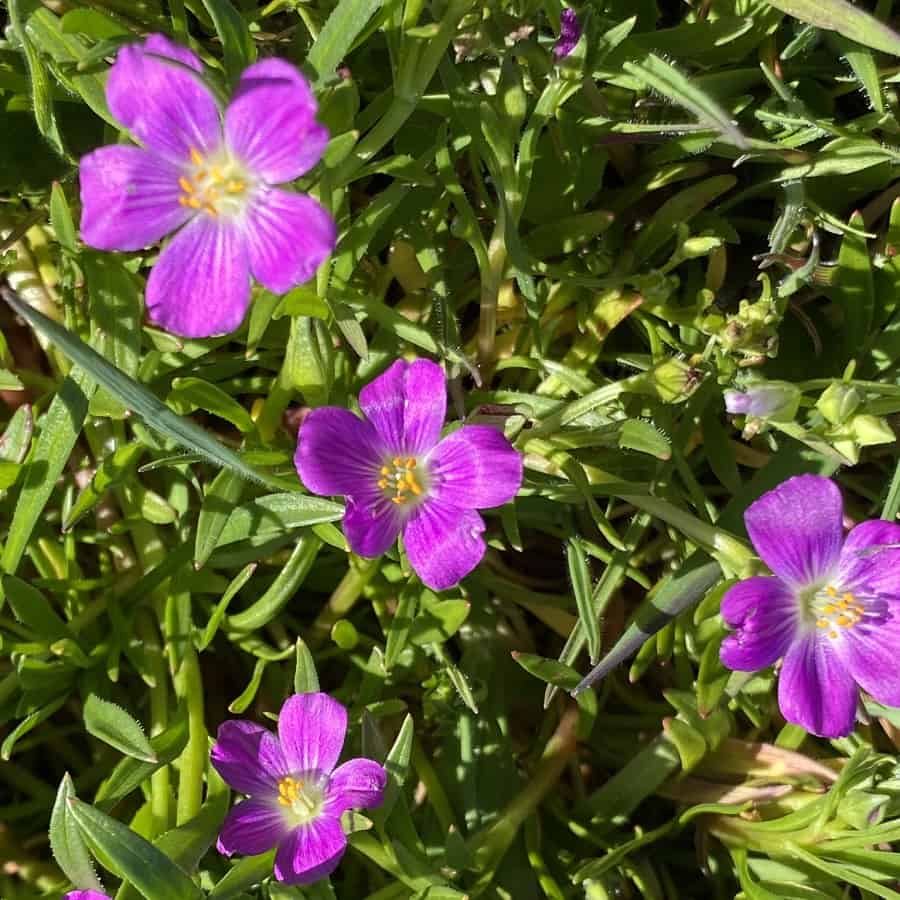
(288, 237)
(764, 612)
(867, 564)
(85, 895)
(311, 729)
(129, 198)
(357, 784)
(248, 757)
(475, 467)
(201, 284)
(815, 689)
(271, 122)
(252, 827)
(310, 852)
(337, 453)
(371, 524)
(408, 405)
(165, 107)
(797, 528)
(443, 543)
(871, 651)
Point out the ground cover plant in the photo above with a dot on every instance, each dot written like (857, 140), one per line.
(448, 450)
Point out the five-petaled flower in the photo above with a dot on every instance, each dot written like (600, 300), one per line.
(208, 176)
(569, 33)
(398, 475)
(296, 794)
(831, 610)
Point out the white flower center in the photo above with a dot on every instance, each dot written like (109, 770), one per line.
(403, 480)
(835, 610)
(302, 800)
(217, 185)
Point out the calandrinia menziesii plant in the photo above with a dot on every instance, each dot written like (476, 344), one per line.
(209, 176)
(399, 476)
(296, 795)
(830, 610)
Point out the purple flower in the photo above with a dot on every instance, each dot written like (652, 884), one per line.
(764, 400)
(208, 176)
(398, 475)
(296, 794)
(831, 609)
(569, 33)
(85, 895)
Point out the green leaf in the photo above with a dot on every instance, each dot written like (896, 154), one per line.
(850, 21)
(282, 588)
(580, 576)
(344, 24)
(135, 859)
(245, 874)
(676, 594)
(397, 767)
(68, 846)
(218, 614)
(115, 311)
(113, 470)
(39, 79)
(61, 218)
(131, 773)
(636, 434)
(189, 394)
(853, 289)
(32, 720)
(668, 81)
(16, 439)
(398, 632)
(306, 679)
(438, 622)
(46, 32)
(134, 396)
(275, 514)
(219, 502)
(60, 427)
(234, 34)
(33, 610)
(113, 725)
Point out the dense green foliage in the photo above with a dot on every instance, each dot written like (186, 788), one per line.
(696, 197)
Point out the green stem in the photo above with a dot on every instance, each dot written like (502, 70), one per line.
(160, 788)
(189, 686)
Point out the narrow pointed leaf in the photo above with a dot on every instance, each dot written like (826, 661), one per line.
(113, 725)
(68, 846)
(135, 859)
(134, 396)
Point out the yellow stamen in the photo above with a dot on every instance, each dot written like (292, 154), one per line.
(289, 791)
(843, 621)
(196, 158)
(822, 623)
(235, 187)
(185, 185)
(410, 462)
(829, 609)
(832, 634)
(848, 597)
(193, 202)
(397, 462)
(398, 499)
(831, 591)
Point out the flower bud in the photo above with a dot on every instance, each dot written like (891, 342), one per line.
(869, 430)
(838, 402)
(776, 400)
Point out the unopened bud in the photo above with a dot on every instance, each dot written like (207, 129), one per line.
(775, 400)
(838, 402)
(870, 430)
